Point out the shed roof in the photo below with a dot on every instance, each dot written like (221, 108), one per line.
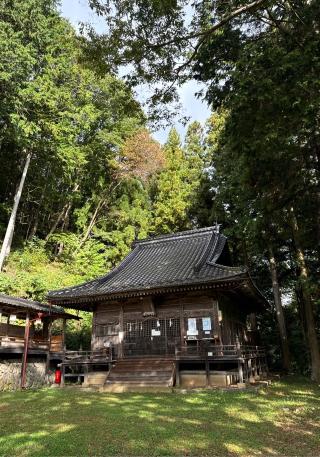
(167, 261)
(8, 303)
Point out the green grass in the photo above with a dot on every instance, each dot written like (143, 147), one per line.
(281, 420)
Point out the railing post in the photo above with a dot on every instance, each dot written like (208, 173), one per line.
(207, 371)
(177, 373)
(238, 346)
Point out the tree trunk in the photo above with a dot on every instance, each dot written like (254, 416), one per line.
(6, 245)
(63, 215)
(57, 222)
(308, 306)
(35, 222)
(92, 222)
(279, 310)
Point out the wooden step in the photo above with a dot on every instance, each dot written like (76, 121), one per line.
(141, 373)
(121, 388)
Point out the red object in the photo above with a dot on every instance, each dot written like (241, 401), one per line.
(57, 378)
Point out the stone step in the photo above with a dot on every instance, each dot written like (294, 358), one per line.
(140, 374)
(95, 379)
(143, 365)
(143, 369)
(124, 387)
(144, 382)
(160, 379)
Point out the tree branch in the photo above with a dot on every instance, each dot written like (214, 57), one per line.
(224, 20)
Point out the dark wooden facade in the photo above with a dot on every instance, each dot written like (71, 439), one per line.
(146, 326)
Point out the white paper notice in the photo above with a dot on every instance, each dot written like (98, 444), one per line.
(206, 323)
(192, 326)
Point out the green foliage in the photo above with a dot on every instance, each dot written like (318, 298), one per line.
(177, 184)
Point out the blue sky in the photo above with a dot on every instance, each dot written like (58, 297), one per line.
(78, 11)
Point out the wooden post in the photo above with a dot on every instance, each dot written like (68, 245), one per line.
(178, 374)
(25, 352)
(240, 369)
(64, 326)
(182, 327)
(49, 346)
(216, 323)
(250, 373)
(7, 326)
(63, 372)
(207, 371)
(121, 336)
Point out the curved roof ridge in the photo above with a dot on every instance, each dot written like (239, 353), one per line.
(184, 234)
(210, 247)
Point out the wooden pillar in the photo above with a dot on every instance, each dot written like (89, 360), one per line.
(250, 373)
(207, 371)
(253, 321)
(121, 333)
(7, 326)
(49, 345)
(178, 381)
(216, 323)
(25, 352)
(64, 327)
(182, 327)
(240, 370)
(63, 372)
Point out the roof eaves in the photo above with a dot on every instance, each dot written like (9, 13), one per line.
(154, 289)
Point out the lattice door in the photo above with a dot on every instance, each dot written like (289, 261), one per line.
(151, 336)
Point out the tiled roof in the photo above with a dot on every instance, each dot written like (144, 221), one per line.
(186, 258)
(24, 304)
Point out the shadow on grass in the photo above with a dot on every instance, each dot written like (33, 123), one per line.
(283, 420)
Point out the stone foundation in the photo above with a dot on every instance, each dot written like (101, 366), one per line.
(10, 374)
(191, 379)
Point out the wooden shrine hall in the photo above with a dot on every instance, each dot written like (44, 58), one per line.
(174, 312)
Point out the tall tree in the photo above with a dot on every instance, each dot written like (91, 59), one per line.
(173, 189)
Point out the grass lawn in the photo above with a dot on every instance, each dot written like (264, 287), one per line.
(282, 420)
